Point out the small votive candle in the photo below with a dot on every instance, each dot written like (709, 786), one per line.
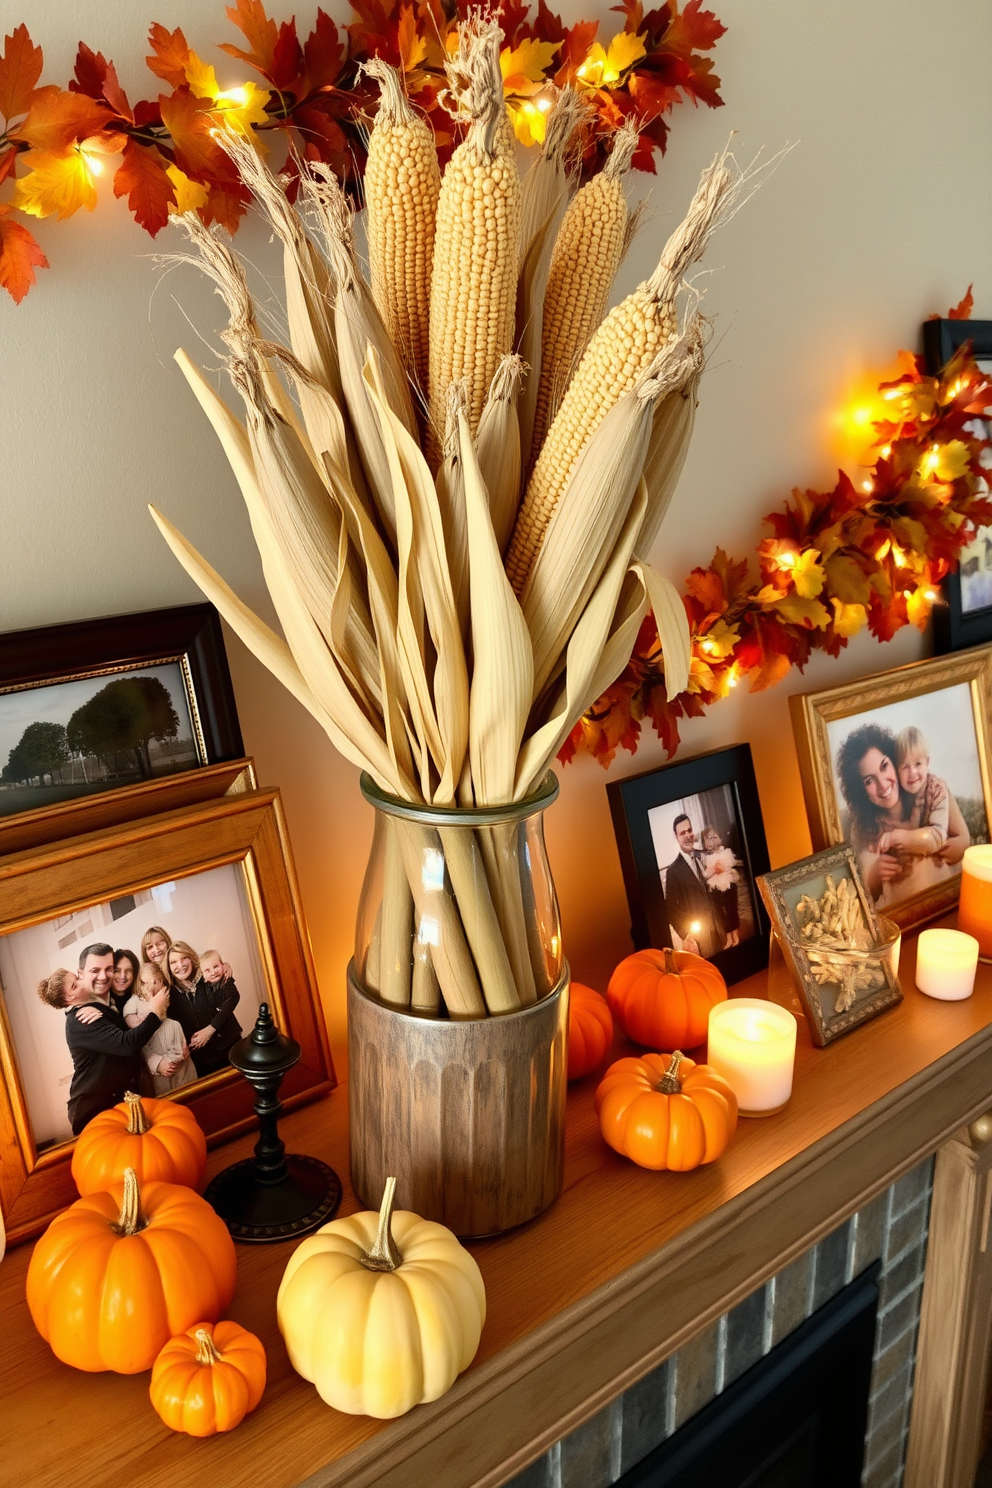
(975, 907)
(752, 1044)
(946, 962)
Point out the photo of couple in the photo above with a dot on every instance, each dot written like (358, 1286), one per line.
(909, 786)
(147, 993)
(708, 900)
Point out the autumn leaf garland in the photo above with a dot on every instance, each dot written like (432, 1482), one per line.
(835, 563)
(56, 144)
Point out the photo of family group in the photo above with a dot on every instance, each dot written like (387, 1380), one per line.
(699, 852)
(909, 786)
(148, 992)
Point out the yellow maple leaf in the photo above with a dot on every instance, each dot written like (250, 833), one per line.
(240, 108)
(719, 641)
(919, 603)
(624, 50)
(808, 575)
(190, 195)
(848, 618)
(529, 123)
(524, 67)
(201, 77)
(807, 612)
(952, 460)
(56, 185)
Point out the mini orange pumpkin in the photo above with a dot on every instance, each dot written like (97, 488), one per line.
(590, 1030)
(664, 1111)
(662, 999)
(159, 1139)
(208, 1379)
(118, 1274)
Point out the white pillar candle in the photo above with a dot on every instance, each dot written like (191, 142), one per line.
(946, 961)
(975, 906)
(752, 1044)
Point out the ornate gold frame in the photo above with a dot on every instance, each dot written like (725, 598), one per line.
(248, 829)
(812, 711)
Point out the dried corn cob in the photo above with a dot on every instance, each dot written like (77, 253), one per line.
(402, 182)
(474, 282)
(621, 350)
(588, 251)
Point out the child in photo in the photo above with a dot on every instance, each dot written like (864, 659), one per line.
(207, 998)
(722, 878)
(926, 797)
(166, 1053)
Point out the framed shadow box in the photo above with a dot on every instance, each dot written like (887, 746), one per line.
(214, 877)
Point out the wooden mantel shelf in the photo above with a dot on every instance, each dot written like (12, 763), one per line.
(624, 1268)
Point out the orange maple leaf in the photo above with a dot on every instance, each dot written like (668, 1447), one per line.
(962, 311)
(57, 119)
(20, 69)
(171, 55)
(142, 178)
(55, 185)
(20, 255)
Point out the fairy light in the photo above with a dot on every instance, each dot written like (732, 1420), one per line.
(885, 451)
(930, 595)
(898, 556)
(93, 163)
(544, 104)
(732, 678)
(236, 97)
(708, 645)
(930, 461)
(788, 560)
(867, 485)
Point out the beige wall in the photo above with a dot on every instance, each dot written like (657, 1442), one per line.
(880, 215)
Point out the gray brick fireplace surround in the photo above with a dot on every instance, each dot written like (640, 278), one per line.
(892, 1229)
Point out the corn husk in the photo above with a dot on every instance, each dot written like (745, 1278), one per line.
(498, 447)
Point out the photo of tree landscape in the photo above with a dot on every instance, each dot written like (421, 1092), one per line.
(94, 734)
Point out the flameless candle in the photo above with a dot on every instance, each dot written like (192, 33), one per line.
(975, 908)
(945, 964)
(752, 1044)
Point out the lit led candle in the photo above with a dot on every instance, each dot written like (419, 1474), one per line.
(752, 1044)
(945, 964)
(975, 908)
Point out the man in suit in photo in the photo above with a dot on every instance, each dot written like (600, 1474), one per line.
(688, 901)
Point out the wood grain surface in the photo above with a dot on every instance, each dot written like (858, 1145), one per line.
(581, 1302)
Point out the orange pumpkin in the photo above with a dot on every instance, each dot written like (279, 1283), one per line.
(662, 999)
(208, 1379)
(664, 1111)
(119, 1273)
(159, 1139)
(590, 1030)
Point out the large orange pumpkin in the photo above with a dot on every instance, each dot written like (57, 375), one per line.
(119, 1273)
(590, 1030)
(664, 1111)
(208, 1379)
(662, 999)
(159, 1139)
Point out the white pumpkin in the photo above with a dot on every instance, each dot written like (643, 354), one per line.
(381, 1312)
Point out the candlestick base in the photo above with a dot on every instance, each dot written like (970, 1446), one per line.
(259, 1213)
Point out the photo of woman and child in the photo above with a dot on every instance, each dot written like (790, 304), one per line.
(910, 786)
(143, 1007)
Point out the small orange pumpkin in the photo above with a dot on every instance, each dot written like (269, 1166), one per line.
(159, 1139)
(662, 999)
(208, 1379)
(590, 1030)
(118, 1274)
(664, 1111)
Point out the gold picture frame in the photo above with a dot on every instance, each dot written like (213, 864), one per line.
(246, 830)
(930, 696)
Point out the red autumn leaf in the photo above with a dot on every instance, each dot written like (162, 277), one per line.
(147, 112)
(963, 309)
(171, 55)
(57, 120)
(20, 255)
(548, 26)
(652, 94)
(575, 47)
(8, 160)
(694, 30)
(321, 133)
(261, 34)
(706, 586)
(89, 72)
(323, 53)
(187, 118)
(226, 203)
(20, 69)
(141, 177)
(373, 34)
(513, 20)
(287, 59)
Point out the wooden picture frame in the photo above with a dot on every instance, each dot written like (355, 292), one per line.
(945, 699)
(958, 624)
(246, 830)
(729, 775)
(781, 892)
(186, 641)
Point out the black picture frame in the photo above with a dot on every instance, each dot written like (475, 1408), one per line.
(954, 628)
(187, 635)
(631, 800)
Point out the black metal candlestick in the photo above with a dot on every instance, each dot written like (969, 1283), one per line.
(271, 1196)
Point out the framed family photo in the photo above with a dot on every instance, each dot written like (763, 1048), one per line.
(827, 928)
(900, 766)
(102, 706)
(692, 843)
(193, 915)
(965, 619)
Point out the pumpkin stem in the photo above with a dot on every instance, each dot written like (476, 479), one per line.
(137, 1121)
(671, 965)
(207, 1351)
(131, 1218)
(384, 1255)
(670, 1082)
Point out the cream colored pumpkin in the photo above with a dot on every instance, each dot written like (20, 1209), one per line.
(381, 1312)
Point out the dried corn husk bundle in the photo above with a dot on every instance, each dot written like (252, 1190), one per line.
(450, 673)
